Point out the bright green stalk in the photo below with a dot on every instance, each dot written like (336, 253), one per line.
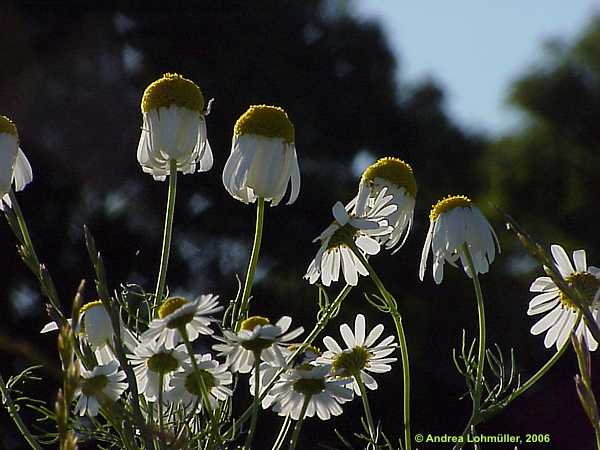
(13, 413)
(298, 427)
(393, 310)
(367, 408)
(168, 232)
(285, 427)
(239, 315)
(256, 403)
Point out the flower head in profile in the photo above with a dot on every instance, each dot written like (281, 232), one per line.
(561, 311)
(335, 254)
(313, 381)
(174, 128)
(257, 338)
(177, 313)
(186, 385)
(263, 159)
(151, 362)
(103, 383)
(455, 222)
(95, 328)
(361, 354)
(14, 166)
(395, 178)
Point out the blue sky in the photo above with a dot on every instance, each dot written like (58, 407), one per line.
(475, 48)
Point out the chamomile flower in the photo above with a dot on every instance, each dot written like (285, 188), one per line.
(394, 177)
(150, 361)
(561, 310)
(361, 354)
(186, 385)
(103, 383)
(95, 327)
(456, 221)
(177, 313)
(174, 128)
(334, 253)
(14, 166)
(325, 394)
(263, 157)
(256, 337)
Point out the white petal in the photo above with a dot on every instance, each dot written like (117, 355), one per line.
(562, 260)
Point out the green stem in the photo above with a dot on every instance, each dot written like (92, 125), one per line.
(256, 403)
(318, 328)
(243, 307)
(285, 427)
(393, 311)
(168, 231)
(367, 408)
(161, 425)
(298, 427)
(13, 413)
(481, 317)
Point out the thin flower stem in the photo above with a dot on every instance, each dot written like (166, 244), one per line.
(367, 408)
(393, 311)
(285, 427)
(239, 315)
(161, 425)
(13, 413)
(318, 328)
(256, 403)
(298, 427)
(481, 317)
(168, 232)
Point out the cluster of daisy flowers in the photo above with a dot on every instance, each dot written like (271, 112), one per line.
(294, 380)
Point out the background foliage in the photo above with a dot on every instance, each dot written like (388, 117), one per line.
(72, 79)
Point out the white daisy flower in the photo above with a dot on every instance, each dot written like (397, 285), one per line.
(263, 157)
(334, 254)
(150, 361)
(14, 166)
(361, 354)
(256, 336)
(455, 221)
(315, 382)
(185, 385)
(95, 327)
(177, 312)
(393, 177)
(561, 311)
(104, 382)
(174, 128)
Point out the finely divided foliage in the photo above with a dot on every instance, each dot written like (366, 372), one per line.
(164, 372)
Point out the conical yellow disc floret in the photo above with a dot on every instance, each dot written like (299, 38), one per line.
(586, 284)
(89, 306)
(251, 322)
(8, 126)
(268, 121)
(393, 170)
(170, 305)
(173, 89)
(448, 203)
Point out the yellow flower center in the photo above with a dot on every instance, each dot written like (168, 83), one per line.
(162, 363)
(8, 126)
(447, 204)
(585, 284)
(173, 89)
(251, 322)
(93, 386)
(170, 305)
(350, 363)
(194, 380)
(264, 120)
(393, 170)
(89, 306)
(309, 386)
